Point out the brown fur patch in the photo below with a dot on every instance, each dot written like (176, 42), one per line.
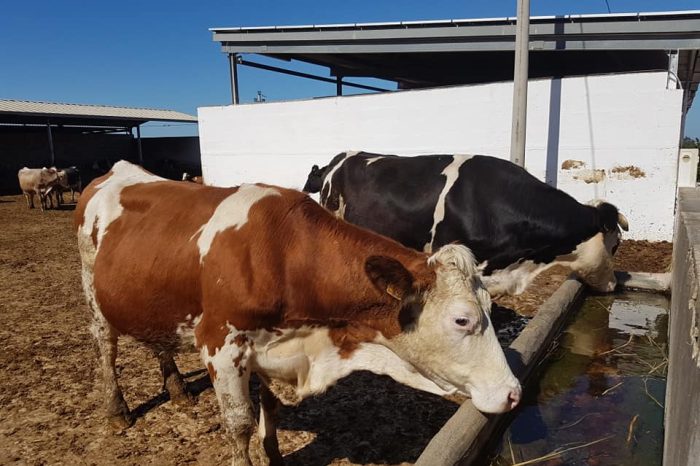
(212, 371)
(292, 263)
(349, 337)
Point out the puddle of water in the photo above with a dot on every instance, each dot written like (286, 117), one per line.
(605, 379)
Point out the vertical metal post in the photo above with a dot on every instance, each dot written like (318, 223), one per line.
(522, 41)
(53, 156)
(338, 85)
(138, 144)
(233, 66)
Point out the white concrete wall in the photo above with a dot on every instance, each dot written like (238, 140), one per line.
(596, 123)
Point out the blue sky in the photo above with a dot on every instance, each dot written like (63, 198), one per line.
(160, 54)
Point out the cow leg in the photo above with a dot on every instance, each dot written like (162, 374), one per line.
(30, 200)
(267, 426)
(230, 375)
(115, 406)
(173, 382)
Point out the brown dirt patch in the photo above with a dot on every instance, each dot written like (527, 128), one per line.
(50, 405)
(644, 256)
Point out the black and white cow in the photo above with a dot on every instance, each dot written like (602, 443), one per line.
(516, 225)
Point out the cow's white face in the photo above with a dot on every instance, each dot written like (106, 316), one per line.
(451, 340)
(594, 261)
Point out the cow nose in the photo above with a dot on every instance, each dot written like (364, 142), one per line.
(513, 398)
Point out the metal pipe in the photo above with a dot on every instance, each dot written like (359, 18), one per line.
(233, 61)
(339, 85)
(138, 144)
(53, 156)
(307, 75)
(520, 75)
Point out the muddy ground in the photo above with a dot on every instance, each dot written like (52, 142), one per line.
(50, 406)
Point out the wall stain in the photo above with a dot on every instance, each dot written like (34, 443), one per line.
(571, 164)
(590, 176)
(629, 171)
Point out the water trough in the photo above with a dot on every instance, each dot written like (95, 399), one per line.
(463, 438)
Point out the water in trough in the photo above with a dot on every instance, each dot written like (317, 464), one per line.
(597, 397)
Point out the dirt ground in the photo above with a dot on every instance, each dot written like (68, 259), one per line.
(50, 405)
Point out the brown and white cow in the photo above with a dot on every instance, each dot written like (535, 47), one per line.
(37, 181)
(267, 281)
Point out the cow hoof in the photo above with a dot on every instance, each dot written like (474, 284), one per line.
(121, 421)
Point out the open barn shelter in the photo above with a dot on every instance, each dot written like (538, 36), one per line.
(607, 99)
(91, 137)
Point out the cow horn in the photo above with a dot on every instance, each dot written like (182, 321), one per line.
(622, 221)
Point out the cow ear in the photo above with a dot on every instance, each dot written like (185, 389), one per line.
(389, 276)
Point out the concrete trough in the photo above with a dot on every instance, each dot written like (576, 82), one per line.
(464, 435)
(462, 439)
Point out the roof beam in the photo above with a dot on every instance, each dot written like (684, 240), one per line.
(657, 33)
(308, 76)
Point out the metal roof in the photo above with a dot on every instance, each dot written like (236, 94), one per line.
(26, 112)
(418, 54)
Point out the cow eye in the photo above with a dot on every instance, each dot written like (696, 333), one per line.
(462, 321)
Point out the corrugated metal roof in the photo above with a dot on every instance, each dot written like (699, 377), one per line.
(420, 54)
(454, 22)
(104, 112)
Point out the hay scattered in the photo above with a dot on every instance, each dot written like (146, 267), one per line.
(510, 446)
(618, 347)
(611, 389)
(630, 429)
(566, 426)
(646, 389)
(560, 451)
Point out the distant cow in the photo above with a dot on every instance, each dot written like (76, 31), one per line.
(516, 225)
(68, 179)
(39, 182)
(267, 281)
(194, 179)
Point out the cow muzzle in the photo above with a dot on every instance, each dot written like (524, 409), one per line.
(497, 399)
(604, 287)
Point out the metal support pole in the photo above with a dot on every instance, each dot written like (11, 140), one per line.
(233, 65)
(522, 41)
(53, 156)
(338, 85)
(138, 144)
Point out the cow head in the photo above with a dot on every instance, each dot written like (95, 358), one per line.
(594, 257)
(314, 182)
(62, 178)
(446, 331)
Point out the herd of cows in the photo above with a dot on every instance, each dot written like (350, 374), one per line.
(392, 273)
(48, 184)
